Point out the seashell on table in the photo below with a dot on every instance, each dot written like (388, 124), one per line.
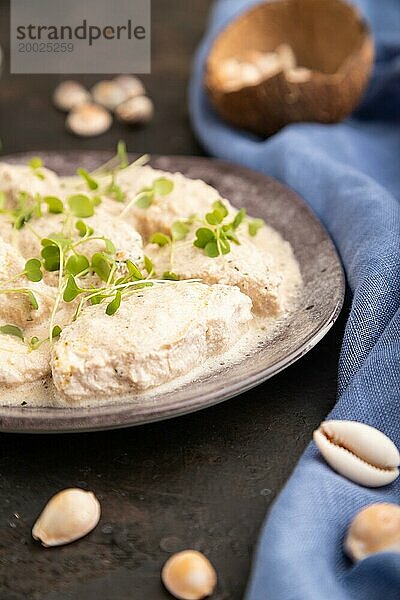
(358, 451)
(68, 516)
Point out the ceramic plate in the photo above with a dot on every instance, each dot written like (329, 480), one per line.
(319, 307)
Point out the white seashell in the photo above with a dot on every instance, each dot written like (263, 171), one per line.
(359, 452)
(131, 85)
(189, 575)
(376, 528)
(108, 93)
(68, 516)
(135, 111)
(89, 120)
(298, 75)
(70, 94)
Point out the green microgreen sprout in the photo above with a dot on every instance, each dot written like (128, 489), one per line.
(27, 207)
(114, 305)
(88, 179)
(63, 252)
(36, 165)
(162, 186)
(12, 330)
(215, 235)
(84, 229)
(254, 226)
(148, 265)
(115, 191)
(81, 205)
(33, 270)
(54, 204)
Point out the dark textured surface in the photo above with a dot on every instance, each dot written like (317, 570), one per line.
(203, 480)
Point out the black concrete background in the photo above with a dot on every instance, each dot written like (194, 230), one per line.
(204, 480)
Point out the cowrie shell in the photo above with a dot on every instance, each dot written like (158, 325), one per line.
(68, 516)
(376, 528)
(358, 451)
(189, 575)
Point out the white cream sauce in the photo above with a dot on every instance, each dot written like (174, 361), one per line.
(261, 330)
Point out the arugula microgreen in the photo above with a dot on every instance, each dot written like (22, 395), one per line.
(13, 330)
(179, 231)
(162, 186)
(88, 179)
(254, 226)
(81, 206)
(84, 229)
(54, 204)
(215, 235)
(33, 270)
(36, 165)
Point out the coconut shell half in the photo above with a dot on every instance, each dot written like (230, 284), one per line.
(328, 37)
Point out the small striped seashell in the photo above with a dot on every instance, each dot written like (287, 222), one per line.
(359, 452)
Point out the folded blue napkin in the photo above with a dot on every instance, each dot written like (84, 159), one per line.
(349, 173)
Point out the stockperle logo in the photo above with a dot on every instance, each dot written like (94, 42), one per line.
(80, 36)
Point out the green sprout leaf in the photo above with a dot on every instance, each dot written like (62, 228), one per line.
(56, 332)
(148, 265)
(12, 330)
(122, 155)
(83, 229)
(33, 269)
(171, 276)
(211, 249)
(133, 270)
(35, 162)
(110, 248)
(96, 299)
(163, 186)
(114, 304)
(54, 204)
(203, 237)
(32, 299)
(101, 266)
(161, 239)
(144, 198)
(179, 230)
(72, 290)
(88, 179)
(81, 206)
(224, 246)
(218, 214)
(239, 218)
(115, 191)
(22, 218)
(76, 264)
(231, 235)
(51, 255)
(254, 226)
(2, 201)
(34, 342)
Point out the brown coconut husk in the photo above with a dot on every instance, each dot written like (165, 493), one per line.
(329, 37)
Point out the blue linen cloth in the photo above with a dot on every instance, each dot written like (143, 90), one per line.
(349, 173)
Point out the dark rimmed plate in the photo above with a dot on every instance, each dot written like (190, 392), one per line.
(320, 305)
